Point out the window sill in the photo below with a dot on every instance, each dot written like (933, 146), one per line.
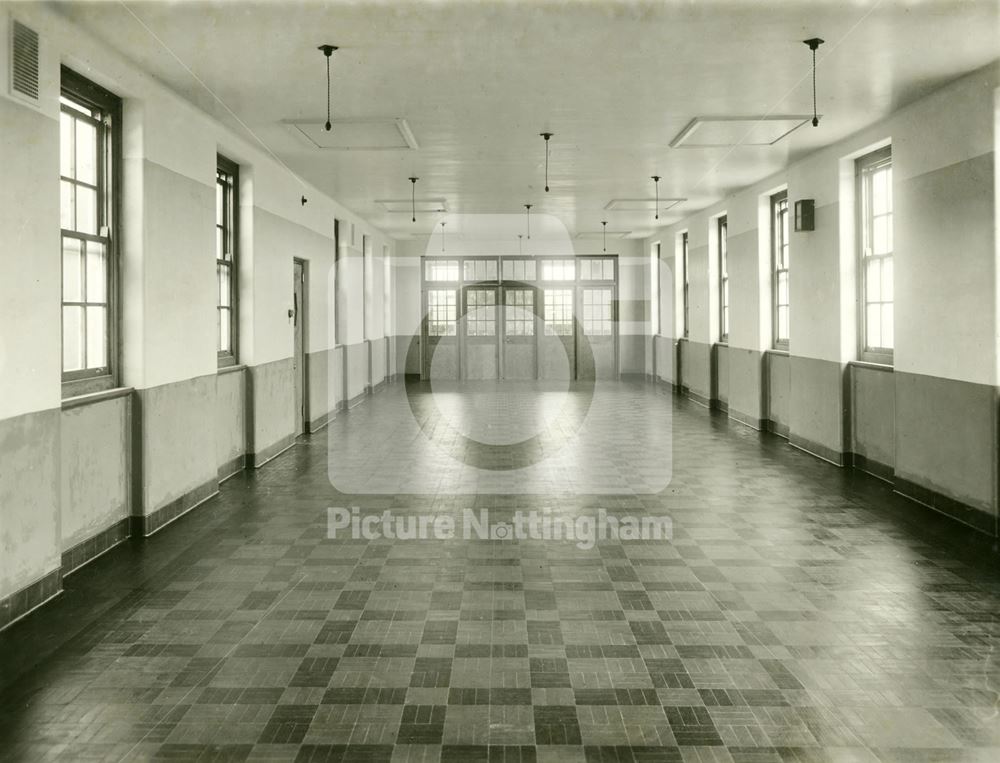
(95, 397)
(778, 351)
(872, 366)
(231, 369)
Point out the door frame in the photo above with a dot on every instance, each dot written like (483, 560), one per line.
(303, 311)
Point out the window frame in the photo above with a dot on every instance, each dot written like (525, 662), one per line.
(78, 88)
(778, 243)
(654, 291)
(231, 200)
(865, 167)
(722, 247)
(685, 287)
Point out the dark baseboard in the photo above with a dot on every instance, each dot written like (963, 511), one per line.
(835, 457)
(256, 460)
(718, 405)
(968, 515)
(746, 419)
(321, 421)
(88, 550)
(698, 397)
(357, 399)
(30, 598)
(232, 467)
(776, 427)
(870, 466)
(145, 526)
(378, 387)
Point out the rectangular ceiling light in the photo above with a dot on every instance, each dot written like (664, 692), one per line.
(590, 234)
(725, 132)
(356, 134)
(407, 205)
(641, 205)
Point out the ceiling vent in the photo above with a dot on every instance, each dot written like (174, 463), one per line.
(356, 134)
(24, 62)
(641, 205)
(409, 205)
(726, 132)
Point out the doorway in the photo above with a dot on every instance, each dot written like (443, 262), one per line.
(299, 313)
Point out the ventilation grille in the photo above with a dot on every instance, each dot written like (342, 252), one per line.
(24, 61)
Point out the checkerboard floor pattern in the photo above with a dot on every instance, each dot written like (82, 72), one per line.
(798, 614)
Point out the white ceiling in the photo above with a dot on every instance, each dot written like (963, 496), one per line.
(615, 81)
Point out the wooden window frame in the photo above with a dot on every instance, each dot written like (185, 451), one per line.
(722, 245)
(865, 167)
(779, 265)
(80, 90)
(685, 287)
(230, 230)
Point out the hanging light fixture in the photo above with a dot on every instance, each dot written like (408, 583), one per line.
(547, 135)
(328, 51)
(814, 43)
(442, 237)
(413, 198)
(520, 237)
(527, 215)
(656, 185)
(604, 225)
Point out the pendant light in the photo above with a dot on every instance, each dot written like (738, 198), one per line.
(547, 135)
(413, 198)
(656, 185)
(814, 43)
(442, 237)
(328, 51)
(527, 216)
(520, 237)
(604, 225)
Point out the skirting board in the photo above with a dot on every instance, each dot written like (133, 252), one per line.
(31, 597)
(88, 550)
(156, 520)
(257, 460)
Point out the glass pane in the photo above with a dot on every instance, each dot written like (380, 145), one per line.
(882, 235)
(887, 290)
(880, 192)
(225, 339)
(97, 341)
(782, 288)
(873, 281)
(72, 270)
(529, 271)
(491, 270)
(220, 213)
(783, 324)
(97, 273)
(887, 327)
(873, 326)
(225, 285)
(86, 152)
(72, 338)
(86, 210)
(66, 160)
(219, 249)
(67, 211)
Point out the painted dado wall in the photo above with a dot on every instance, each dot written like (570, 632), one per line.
(77, 476)
(929, 422)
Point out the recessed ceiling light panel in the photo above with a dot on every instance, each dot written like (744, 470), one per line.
(355, 134)
(406, 205)
(641, 205)
(725, 132)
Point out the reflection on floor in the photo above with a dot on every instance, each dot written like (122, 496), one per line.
(796, 614)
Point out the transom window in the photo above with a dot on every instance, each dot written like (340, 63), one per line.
(519, 270)
(480, 270)
(876, 247)
(441, 313)
(597, 312)
(481, 312)
(441, 270)
(226, 211)
(88, 166)
(597, 269)
(559, 312)
(723, 244)
(558, 270)
(780, 262)
(519, 315)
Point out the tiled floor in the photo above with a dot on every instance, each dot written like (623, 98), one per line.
(799, 613)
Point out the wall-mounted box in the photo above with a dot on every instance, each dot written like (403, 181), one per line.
(805, 215)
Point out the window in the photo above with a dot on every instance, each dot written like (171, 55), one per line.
(480, 319)
(519, 314)
(597, 312)
(723, 244)
(779, 259)
(654, 289)
(519, 270)
(89, 170)
(441, 312)
(558, 270)
(875, 232)
(685, 286)
(480, 270)
(602, 269)
(367, 286)
(441, 270)
(226, 216)
(559, 312)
